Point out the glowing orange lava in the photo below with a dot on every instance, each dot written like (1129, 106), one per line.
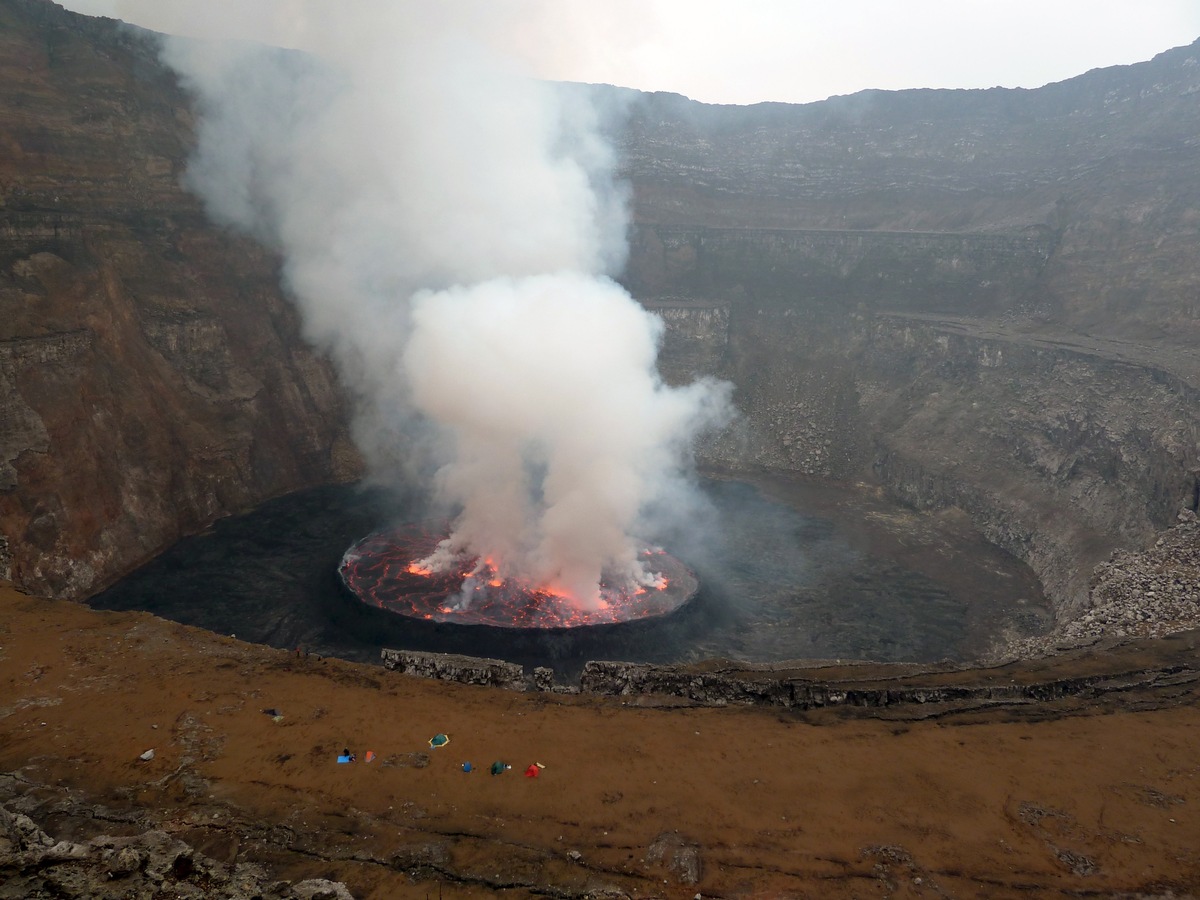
(384, 570)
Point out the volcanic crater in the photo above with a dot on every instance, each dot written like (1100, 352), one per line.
(1006, 336)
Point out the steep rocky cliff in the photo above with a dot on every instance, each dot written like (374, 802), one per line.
(985, 299)
(152, 377)
(1060, 446)
(1104, 167)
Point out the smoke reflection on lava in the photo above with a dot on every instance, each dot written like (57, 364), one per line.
(383, 570)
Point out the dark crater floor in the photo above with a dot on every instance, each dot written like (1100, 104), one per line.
(788, 570)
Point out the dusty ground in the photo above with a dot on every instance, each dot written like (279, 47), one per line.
(650, 800)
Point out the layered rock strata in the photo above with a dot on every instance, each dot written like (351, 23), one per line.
(152, 375)
(454, 667)
(977, 299)
(980, 299)
(1125, 669)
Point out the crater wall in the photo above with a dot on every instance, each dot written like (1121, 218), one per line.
(980, 299)
(984, 299)
(152, 376)
(1060, 446)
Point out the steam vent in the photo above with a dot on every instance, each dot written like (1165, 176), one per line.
(383, 570)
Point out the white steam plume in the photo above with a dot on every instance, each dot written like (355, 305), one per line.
(446, 224)
(563, 430)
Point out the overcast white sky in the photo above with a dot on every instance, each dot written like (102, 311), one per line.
(735, 51)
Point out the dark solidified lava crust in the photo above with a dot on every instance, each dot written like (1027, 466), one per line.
(381, 571)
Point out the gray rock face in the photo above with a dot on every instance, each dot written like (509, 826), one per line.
(709, 688)
(141, 867)
(904, 691)
(962, 296)
(152, 375)
(1135, 594)
(897, 687)
(680, 856)
(453, 667)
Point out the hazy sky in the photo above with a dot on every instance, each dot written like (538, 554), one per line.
(739, 51)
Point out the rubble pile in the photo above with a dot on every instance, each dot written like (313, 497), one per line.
(144, 866)
(1136, 594)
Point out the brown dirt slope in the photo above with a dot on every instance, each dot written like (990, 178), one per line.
(638, 798)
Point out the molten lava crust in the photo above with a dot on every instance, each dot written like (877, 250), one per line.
(382, 571)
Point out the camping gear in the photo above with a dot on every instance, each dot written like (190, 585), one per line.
(439, 740)
(370, 755)
(532, 771)
(345, 758)
(466, 767)
(498, 767)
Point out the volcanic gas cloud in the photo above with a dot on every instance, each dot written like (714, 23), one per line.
(448, 226)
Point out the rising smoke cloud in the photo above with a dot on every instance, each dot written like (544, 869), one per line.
(448, 226)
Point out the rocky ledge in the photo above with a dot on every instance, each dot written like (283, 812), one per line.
(1145, 673)
(1136, 599)
(453, 667)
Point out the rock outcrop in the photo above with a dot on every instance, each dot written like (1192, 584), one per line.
(453, 667)
(905, 691)
(152, 376)
(1135, 594)
(1021, 674)
(142, 866)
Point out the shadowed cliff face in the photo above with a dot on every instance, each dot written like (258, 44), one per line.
(152, 377)
(978, 299)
